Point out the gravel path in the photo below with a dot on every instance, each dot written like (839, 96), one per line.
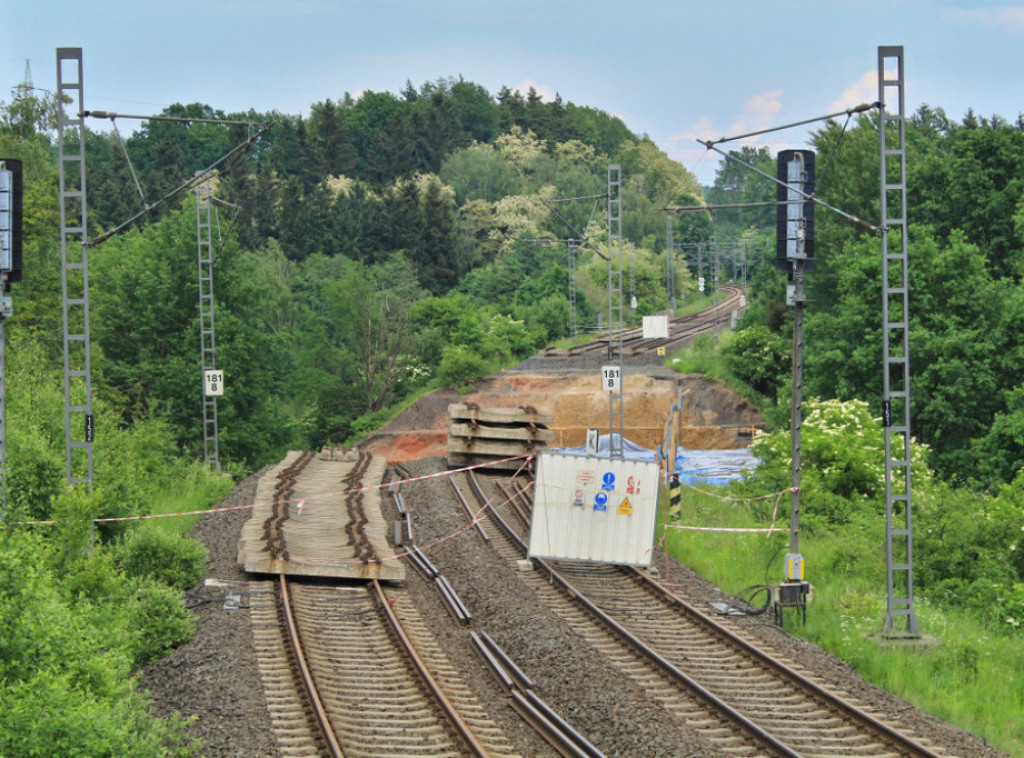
(214, 676)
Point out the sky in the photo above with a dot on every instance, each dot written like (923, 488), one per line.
(673, 70)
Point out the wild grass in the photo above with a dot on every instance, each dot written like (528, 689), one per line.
(704, 356)
(195, 488)
(963, 671)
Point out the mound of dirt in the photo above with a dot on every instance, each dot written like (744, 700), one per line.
(714, 417)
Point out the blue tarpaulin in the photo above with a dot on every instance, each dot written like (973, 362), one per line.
(694, 466)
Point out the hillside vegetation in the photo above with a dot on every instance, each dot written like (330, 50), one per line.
(388, 244)
(364, 254)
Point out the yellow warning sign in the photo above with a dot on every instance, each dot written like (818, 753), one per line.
(626, 509)
(661, 351)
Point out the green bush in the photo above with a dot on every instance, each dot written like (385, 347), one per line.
(159, 620)
(842, 461)
(49, 714)
(179, 562)
(701, 357)
(969, 551)
(460, 365)
(760, 358)
(34, 474)
(65, 667)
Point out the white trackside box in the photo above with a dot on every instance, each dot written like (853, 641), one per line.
(592, 508)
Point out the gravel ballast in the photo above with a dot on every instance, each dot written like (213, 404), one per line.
(214, 677)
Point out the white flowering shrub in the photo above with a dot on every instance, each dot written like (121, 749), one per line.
(842, 461)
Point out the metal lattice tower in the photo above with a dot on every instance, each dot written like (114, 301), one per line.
(74, 258)
(571, 248)
(670, 264)
(900, 620)
(615, 320)
(714, 264)
(207, 337)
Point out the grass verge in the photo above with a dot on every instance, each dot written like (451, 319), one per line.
(196, 489)
(973, 676)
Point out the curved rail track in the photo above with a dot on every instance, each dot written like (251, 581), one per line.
(750, 703)
(682, 329)
(342, 667)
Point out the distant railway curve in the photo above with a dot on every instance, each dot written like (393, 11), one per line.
(682, 330)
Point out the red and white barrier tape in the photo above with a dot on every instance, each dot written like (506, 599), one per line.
(300, 502)
(768, 529)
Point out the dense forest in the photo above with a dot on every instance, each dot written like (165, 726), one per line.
(380, 247)
(388, 244)
(361, 251)
(966, 211)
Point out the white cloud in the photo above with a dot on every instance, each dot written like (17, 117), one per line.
(758, 113)
(1008, 18)
(547, 94)
(864, 90)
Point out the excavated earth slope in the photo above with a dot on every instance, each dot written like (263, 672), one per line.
(714, 417)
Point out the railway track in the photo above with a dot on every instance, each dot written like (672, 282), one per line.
(742, 700)
(682, 330)
(343, 670)
(343, 677)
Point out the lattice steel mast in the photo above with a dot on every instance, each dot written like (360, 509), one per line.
(74, 258)
(571, 249)
(899, 552)
(670, 263)
(615, 320)
(207, 336)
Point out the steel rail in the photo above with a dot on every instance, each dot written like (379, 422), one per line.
(667, 666)
(700, 322)
(469, 739)
(319, 713)
(647, 652)
(552, 727)
(469, 511)
(830, 698)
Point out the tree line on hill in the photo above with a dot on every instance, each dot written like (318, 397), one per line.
(381, 246)
(386, 244)
(965, 196)
(363, 252)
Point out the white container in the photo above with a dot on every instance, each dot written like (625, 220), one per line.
(594, 508)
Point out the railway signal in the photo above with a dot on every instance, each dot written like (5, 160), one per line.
(10, 271)
(794, 246)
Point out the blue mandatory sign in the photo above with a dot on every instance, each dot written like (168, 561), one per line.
(609, 481)
(600, 502)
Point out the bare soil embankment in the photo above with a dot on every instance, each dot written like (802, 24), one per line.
(713, 417)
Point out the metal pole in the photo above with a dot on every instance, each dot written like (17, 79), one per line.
(74, 249)
(796, 178)
(615, 305)
(571, 249)
(670, 264)
(3, 419)
(207, 337)
(899, 549)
